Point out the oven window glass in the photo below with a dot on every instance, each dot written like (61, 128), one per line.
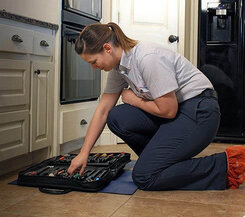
(79, 81)
(89, 7)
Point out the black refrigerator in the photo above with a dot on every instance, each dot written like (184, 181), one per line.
(221, 53)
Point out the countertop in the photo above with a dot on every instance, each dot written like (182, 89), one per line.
(28, 20)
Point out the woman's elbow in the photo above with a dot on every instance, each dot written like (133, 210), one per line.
(170, 114)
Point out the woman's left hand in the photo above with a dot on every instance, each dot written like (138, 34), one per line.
(129, 97)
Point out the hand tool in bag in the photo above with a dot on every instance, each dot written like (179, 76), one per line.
(108, 157)
(39, 171)
(100, 175)
(92, 176)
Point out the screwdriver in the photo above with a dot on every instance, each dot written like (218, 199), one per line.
(100, 175)
(37, 172)
(102, 157)
(108, 157)
(90, 178)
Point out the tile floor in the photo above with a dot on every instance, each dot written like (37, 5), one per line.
(18, 201)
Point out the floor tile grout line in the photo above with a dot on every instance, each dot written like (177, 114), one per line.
(174, 200)
(121, 206)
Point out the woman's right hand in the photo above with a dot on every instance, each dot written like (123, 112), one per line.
(79, 161)
(97, 124)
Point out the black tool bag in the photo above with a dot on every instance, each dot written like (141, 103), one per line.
(51, 175)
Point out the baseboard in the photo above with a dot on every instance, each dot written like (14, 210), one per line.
(71, 146)
(108, 138)
(25, 160)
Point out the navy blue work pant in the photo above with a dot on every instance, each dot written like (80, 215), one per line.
(166, 147)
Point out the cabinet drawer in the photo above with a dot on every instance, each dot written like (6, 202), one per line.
(14, 134)
(14, 82)
(43, 44)
(15, 39)
(75, 123)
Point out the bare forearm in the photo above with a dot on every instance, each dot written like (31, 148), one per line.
(95, 128)
(152, 108)
(165, 106)
(98, 121)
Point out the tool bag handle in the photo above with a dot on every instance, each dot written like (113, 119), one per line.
(54, 191)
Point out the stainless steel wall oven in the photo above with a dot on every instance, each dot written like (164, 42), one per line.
(79, 82)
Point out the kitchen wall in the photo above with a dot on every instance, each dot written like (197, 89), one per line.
(106, 18)
(45, 10)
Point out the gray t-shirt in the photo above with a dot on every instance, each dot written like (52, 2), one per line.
(152, 71)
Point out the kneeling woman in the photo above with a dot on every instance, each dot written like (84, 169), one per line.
(170, 113)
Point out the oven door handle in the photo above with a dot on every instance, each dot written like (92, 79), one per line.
(71, 37)
(72, 34)
(73, 29)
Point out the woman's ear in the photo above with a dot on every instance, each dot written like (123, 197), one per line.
(107, 47)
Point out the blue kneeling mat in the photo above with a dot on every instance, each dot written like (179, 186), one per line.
(122, 184)
(104, 172)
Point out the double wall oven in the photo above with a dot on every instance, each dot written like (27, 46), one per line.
(79, 82)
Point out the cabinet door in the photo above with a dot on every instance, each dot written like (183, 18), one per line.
(42, 101)
(14, 83)
(14, 134)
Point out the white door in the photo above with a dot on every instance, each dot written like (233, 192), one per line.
(152, 21)
(145, 20)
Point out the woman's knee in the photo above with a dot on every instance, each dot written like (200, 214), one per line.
(116, 120)
(112, 116)
(142, 179)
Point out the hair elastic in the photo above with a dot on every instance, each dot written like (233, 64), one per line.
(109, 27)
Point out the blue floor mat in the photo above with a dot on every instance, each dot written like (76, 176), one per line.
(122, 185)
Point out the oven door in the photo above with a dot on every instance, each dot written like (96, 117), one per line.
(90, 8)
(79, 82)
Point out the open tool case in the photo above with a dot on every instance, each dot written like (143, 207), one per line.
(51, 175)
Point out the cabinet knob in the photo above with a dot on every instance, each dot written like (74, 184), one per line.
(37, 71)
(16, 38)
(83, 122)
(44, 43)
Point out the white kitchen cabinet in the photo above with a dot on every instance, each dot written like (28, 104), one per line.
(42, 76)
(14, 134)
(14, 83)
(43, 44)
(75, 121)
(26, 88)
(16, 39)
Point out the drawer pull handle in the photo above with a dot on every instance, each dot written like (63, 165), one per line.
(43, 43)
(37, 71)
(16, 38)
(83, 122)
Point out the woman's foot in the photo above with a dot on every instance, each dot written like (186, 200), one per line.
(235, 166)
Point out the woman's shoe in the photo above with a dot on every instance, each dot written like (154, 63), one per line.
(235, 166)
